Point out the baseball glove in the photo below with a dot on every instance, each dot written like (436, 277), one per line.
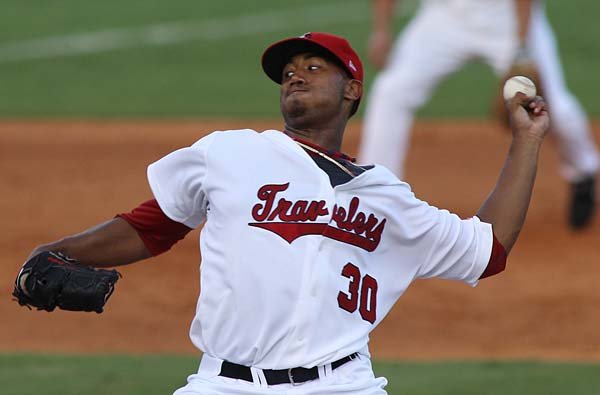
(50, 279)
(525, 66)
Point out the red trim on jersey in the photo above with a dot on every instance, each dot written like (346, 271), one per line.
(290, 231)
(497, 261)
(332, 153)
(158, 232)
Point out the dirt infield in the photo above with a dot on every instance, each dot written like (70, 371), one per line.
(59, 178)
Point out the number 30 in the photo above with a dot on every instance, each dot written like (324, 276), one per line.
(364, 291)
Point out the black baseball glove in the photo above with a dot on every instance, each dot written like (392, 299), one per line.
(50, 279)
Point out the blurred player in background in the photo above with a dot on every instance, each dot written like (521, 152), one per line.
(442, 37)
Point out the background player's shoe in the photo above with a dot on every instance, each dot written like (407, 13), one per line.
(583, 202)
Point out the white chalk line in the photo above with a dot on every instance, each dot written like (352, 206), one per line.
(179, 32)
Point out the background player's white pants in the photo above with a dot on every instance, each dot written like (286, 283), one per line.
(439, 40)
(353, 378)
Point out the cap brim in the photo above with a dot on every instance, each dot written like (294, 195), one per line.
(278, 55)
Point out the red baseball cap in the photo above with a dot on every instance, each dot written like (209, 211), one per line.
(277, 55)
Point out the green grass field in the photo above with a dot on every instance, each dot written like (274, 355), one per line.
(154, 375)
(188, 58)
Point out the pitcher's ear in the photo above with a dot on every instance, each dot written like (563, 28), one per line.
(354, 90)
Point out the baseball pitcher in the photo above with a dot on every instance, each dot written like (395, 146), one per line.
(304, 252)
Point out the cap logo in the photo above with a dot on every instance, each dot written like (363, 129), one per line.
(306, 35)
(351, 65)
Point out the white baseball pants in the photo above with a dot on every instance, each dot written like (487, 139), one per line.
(439, 40)
(353, 378)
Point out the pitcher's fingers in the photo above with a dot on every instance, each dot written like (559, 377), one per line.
(519, 100)
(538, 105)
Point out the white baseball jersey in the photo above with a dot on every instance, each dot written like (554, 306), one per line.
(296, 272)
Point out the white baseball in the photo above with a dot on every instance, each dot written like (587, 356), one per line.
(518, 84)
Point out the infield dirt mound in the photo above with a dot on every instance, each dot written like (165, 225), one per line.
(61, 177)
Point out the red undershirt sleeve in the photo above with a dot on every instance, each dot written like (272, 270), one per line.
(497, 261)
(158, 232)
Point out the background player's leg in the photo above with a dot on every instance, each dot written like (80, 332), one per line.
(432, 46)
(570, 125)
(578, 152)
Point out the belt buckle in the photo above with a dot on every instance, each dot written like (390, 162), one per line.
(291, 377)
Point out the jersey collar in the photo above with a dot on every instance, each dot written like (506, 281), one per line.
(331, 153)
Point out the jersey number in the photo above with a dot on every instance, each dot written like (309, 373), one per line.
(362, 294)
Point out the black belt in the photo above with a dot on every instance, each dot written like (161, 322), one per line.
(281, 376)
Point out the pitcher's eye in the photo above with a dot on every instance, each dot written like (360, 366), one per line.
(313, 67)
(288, 74)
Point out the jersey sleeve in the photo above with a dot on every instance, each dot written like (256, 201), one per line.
(460, 250)
(497, 262)
(157, 231)
(177, 182)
